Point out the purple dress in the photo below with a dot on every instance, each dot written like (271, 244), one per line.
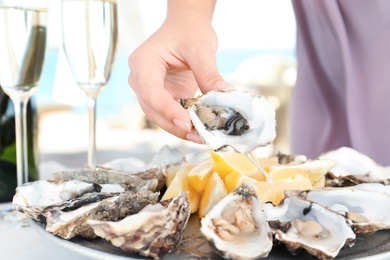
(342, 95)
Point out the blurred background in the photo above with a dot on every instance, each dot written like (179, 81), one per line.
(256, 52)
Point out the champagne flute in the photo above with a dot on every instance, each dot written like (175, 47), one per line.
(22, 52)
(90, 32)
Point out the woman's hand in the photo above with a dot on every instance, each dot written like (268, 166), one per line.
(176, 61)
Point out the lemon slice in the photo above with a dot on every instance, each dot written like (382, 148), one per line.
(173, 169)
(314, 170)
(228, 162)
(180, 184)
(274, 192)
(198, 175)
(214, 192)
(235, 179)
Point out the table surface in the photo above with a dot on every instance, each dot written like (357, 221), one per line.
(26, 243)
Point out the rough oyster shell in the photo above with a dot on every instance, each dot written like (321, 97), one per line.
(108, 176)
(353, 167)
(154, 232)
(151, 174)
(68, 224)
(236, 227)
(233, 118)
(65, 206)
(367, 210)
(302, 224)
(35, 199)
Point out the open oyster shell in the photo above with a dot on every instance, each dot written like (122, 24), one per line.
(236, 227)
(303, 224)
(65, 206)
(368, 210)
(153, 232)
(35, 199)
(68, 224)
(233, 118)
(378, 187)
(353, 167)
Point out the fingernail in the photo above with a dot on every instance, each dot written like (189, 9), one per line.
(224, 86)
(186, 127)
(194, 138)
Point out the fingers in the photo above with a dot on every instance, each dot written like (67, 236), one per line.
(208, 76)
(166, 112)
(204, 67)
(159, 105)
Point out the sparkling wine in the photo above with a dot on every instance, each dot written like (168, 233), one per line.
(90, 40)
(22, 48)
(90, 32)
(22, 54)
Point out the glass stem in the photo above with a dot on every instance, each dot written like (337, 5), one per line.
(91, 100)
(20, 106)
(258, 166)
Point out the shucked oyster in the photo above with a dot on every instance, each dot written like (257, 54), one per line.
(233, 118)
(154, 232)
(236, 227)
(35, 199)
(353, 167)
(368, 210)
(70, 223)
(303, 224)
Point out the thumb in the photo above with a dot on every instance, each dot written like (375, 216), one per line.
(207, 75)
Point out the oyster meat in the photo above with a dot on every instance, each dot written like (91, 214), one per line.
(234, 118)
(301, 224)
(236, 227)
(367, 210)
(153, 232)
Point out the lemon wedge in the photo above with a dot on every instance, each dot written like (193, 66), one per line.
(314, 170)
(198, 175)
(228, 162)
(180, 184)
(274, 192)
(214, 192)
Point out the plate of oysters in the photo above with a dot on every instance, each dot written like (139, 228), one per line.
(225, 202)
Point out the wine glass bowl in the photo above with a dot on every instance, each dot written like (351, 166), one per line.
(22, 50)
(90, 32)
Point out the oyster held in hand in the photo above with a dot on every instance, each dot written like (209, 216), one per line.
(233, 118)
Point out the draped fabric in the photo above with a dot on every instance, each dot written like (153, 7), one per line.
(342, 93)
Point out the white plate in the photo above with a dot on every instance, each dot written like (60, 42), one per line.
(194, 246)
